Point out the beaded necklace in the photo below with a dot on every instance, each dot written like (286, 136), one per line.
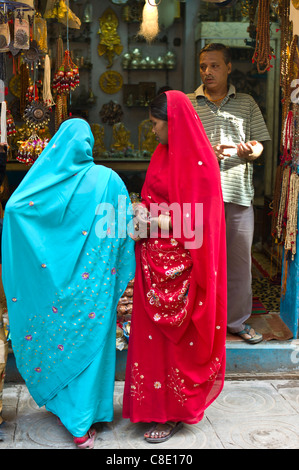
(262, 54)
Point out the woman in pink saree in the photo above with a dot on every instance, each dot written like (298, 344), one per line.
(176, 356)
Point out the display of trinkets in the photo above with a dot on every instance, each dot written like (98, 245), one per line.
(111, 82)
(67, 78)
(36, 115)
(29, 150)
(139, 94)
(11, 128)
(124, 314)
(110, 43)
(33, 54)
(58, 9)
(99, 145)
(111, 113)
(121, 138)
(135, 60)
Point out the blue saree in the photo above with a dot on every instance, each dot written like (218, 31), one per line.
(67, 260)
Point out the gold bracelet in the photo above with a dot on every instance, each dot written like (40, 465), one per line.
(163, 222)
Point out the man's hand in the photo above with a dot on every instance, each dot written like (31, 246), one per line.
(249, 150)
(220, 150)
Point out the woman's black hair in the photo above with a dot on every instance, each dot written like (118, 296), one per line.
(158, 107)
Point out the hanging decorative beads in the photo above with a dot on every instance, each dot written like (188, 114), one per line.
(29, 150)
(24, 83)
(11, 128)
(65, 80)
(263, 54)
(292, 215)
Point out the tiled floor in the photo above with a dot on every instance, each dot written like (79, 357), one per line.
(248, 414)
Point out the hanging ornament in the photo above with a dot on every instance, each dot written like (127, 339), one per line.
(110, 42)
(40, 32)
(3, 137)
(33, 55)
(11, 128)
(111, 81)
(21, 32)
(24, 84)
(149, 27)
(60, 110)
(4, 37)
(111, 113)
(263, 52)
(47, 95)
(36, 115)
(67, 78)
(59, 10)
(30, 149)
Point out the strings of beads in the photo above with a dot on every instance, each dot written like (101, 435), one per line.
(262, 54)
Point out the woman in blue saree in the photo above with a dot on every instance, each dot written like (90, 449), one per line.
(67, 260)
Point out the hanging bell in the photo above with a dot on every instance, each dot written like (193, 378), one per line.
(87, 14)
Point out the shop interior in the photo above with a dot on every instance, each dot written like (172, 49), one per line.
(114, 73)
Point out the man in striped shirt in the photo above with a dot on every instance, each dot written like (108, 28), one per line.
(235, 127)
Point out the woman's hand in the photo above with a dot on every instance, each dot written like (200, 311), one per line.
(141, 221)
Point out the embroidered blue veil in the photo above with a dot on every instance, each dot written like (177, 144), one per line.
(67, 259)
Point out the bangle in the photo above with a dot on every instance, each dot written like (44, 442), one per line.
(163, 222)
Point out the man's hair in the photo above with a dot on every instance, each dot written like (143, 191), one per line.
(217, 46)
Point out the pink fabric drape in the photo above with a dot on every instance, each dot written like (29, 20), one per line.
(176, 356)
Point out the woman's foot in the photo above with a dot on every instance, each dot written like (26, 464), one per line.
(161, 432)
(87, 441)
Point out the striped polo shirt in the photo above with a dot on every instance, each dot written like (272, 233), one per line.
(237, 119)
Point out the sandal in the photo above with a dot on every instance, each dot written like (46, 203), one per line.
(254, 338)
(87, 441)
(174, 427)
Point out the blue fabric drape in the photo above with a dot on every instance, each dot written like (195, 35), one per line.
(67, 259)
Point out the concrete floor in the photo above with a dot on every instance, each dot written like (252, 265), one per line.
(248, 414)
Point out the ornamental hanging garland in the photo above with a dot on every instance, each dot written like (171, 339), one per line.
(66, 79)
(30, 149)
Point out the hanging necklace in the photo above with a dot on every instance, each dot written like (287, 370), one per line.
(215, 101)
(219, 99)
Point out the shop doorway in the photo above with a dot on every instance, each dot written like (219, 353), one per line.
(265, 89)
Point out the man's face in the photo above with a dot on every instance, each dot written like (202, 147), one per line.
(213, 70)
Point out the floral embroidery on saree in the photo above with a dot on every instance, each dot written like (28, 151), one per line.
(167, 269)
(176, 384)
(136, 383)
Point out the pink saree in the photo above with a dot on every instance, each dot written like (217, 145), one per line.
(176, 356)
